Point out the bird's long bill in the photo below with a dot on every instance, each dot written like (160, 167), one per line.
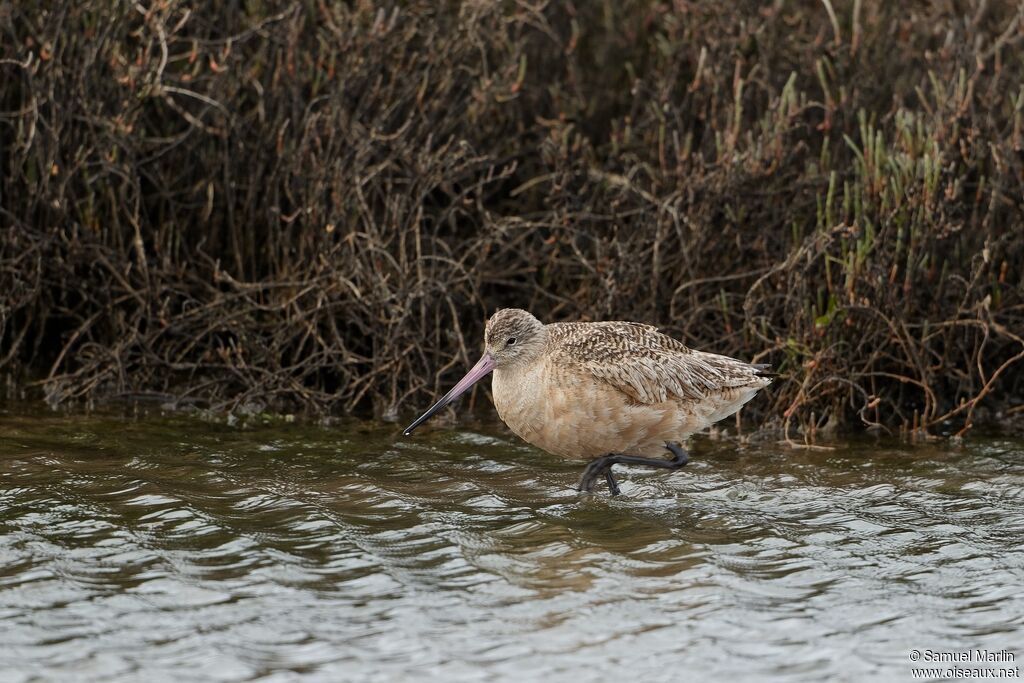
(478, 372)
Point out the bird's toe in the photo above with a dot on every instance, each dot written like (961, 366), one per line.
(590, 477)
(613, 486)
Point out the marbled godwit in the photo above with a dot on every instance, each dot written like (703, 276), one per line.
(612, 392)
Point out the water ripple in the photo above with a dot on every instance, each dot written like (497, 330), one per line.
(165, 548)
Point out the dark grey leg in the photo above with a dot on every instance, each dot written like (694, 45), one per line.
(613, 486)
(603, 465)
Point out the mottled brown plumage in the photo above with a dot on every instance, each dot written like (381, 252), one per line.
(585, 390)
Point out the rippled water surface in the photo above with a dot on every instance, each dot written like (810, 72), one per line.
(167, 548)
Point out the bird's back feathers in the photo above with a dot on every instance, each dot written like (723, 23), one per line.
(648, 366)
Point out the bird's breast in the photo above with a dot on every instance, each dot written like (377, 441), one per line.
(552, 409)
(519, 397)
(571, 414)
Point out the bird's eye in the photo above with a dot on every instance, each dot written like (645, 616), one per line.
(511, 341)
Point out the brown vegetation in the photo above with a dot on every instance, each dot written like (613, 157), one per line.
(271, 204)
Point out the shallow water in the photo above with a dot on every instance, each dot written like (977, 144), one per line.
(166, 548)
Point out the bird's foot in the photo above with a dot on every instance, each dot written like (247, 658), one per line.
(593, 473)
(603, 466)
(679, 456)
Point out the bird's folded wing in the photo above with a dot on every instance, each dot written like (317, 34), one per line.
(648, 366)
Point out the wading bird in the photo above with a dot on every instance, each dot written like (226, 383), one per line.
(611, 392)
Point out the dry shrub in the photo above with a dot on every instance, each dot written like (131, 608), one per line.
(278, 204)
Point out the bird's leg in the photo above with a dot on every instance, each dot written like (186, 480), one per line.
(613, 486)
(603, 465)
(679, 459)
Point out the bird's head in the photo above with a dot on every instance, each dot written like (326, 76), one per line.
(513, 338)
